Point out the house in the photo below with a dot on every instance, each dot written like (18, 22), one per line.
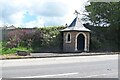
(76, 37)
(11, 27)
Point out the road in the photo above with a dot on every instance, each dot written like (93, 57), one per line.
(102, 66)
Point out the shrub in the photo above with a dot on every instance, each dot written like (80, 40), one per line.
(14, 50)
(0, 47)
(38, 39)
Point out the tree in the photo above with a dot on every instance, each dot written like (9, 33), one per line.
(103, 14)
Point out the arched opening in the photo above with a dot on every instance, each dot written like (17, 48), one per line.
(80, 42)
(68, 38)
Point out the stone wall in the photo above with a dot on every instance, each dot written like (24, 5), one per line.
(71, 47)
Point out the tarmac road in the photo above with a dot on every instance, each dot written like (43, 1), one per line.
(102, 66)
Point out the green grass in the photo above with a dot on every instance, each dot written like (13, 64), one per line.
(0, 48)
(4, 50)
(13, 50)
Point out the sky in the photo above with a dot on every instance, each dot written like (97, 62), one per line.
(39, 13)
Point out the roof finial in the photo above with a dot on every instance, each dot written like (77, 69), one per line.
(76, 13)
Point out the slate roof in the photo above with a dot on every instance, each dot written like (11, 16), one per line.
(11, 27)
(73, 23)
(76, 25)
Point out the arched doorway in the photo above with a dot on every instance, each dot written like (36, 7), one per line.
(80, 42)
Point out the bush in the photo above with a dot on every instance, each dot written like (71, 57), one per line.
(0, 47)
(95, 44)
(7, 50)
(47, 39)
(14, 50)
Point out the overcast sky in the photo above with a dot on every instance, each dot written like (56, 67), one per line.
(38, 13)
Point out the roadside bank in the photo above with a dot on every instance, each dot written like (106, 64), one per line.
(50, 55)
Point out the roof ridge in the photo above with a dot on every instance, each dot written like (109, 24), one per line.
(76, 25)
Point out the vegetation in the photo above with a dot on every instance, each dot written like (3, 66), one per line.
(5, 50)
(34, 40)
(0, 48)
(47, 39)
(105, 19)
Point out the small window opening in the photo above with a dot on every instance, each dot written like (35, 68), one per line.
(68, 38)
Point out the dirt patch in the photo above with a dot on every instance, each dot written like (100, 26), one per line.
(12, 56)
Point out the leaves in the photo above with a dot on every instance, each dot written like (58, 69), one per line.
(105, 15)
(39, 39)
(103, 12)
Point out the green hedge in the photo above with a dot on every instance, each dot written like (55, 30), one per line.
(47, 39)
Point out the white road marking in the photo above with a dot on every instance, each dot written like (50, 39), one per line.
(47, 76)
(65, 74)
(91, 76)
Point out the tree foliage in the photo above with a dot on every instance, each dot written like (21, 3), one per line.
(105, 14)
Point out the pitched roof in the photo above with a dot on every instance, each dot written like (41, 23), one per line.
(73, 23)
(76, 25)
